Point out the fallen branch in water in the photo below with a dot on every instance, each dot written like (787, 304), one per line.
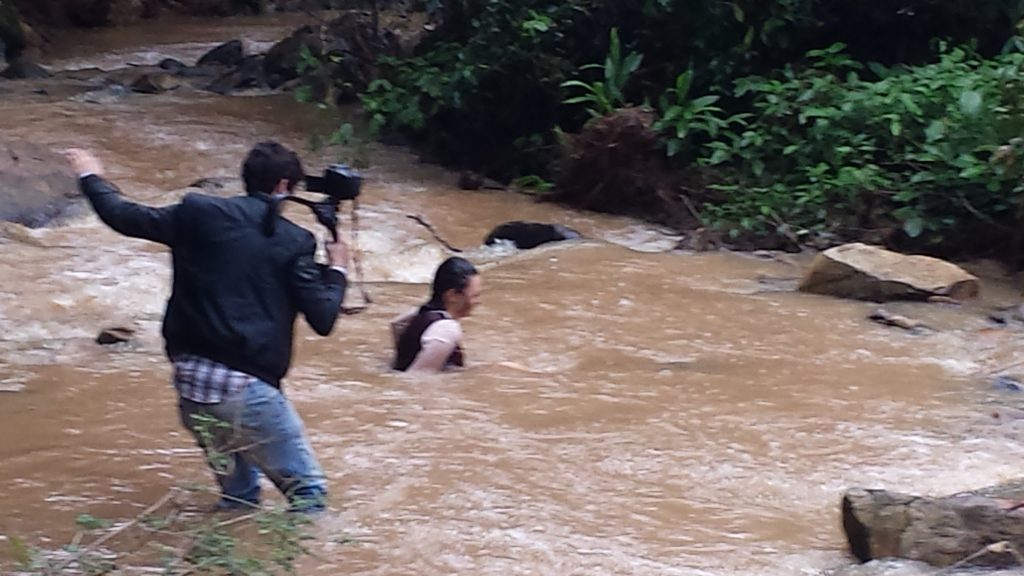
(1009, 366)
(887, 318)
(1002, 547)
(433, 232)
(109, 535)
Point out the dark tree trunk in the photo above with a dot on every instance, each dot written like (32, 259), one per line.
(375, 12)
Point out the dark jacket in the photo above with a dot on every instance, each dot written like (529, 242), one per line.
(236, 291)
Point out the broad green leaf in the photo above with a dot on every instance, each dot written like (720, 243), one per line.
(970, 102)
(973, 171)
(718, 156)
(579, 100)
(683, 82)
(631, 63)
(615, 47)
(913, 227)
(936, 130)
(576, 84)
(758, 168)
(912, 106)
(704, 101)
(878, 69)
(748, 38)
(737, 12)
(923, 176)
(672, 113)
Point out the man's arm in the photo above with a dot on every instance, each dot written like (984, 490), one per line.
(318, 290)
(128, 218)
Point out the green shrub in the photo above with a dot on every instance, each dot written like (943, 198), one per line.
(930, 150)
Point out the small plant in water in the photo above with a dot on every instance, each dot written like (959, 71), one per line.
(172, 539)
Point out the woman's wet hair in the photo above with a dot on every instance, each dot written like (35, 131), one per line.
(266, 164)
(453, 274)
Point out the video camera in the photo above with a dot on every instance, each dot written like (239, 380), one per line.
(339, 183)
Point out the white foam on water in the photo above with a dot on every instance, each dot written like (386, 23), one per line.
(642, 238)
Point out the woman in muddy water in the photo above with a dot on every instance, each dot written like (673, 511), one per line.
(429, 338)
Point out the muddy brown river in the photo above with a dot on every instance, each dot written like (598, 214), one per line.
(627, 409)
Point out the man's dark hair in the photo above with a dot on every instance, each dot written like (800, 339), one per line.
(453, 273)
(265, 166)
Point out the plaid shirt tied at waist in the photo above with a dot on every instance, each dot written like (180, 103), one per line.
(207, 382)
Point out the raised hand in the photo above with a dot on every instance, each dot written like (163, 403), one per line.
(83, 162)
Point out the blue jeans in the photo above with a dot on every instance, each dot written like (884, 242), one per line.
(255, 430)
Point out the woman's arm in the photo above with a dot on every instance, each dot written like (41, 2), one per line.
(436, 346)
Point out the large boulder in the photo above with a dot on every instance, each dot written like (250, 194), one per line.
(282, 60)
(969, 529)
(22, 68)
(346, 50)
(248, 74)
(36, 184)
(865, 272)
(353, 47)
(227, 54)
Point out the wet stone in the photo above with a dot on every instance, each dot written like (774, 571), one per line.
(1007, 384)
(115, 335)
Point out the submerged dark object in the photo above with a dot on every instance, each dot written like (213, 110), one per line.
(1007, 384)
(526, 235)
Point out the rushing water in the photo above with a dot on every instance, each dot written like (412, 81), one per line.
(663, 413)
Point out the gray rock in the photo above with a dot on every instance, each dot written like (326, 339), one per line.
(22, 69)
(863, 272)
(109, 95)
(173, 66)
(282, 60)
(36, 184)
(473, 181)
(115, 335)
(206, 71)
(1007, 384)
(248, 74)
(155, 83)
(227, 54)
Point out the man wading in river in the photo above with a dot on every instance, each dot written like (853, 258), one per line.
(238, 287)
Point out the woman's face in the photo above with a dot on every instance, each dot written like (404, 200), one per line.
(461, 303)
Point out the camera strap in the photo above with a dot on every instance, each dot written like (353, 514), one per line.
(357, 263)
